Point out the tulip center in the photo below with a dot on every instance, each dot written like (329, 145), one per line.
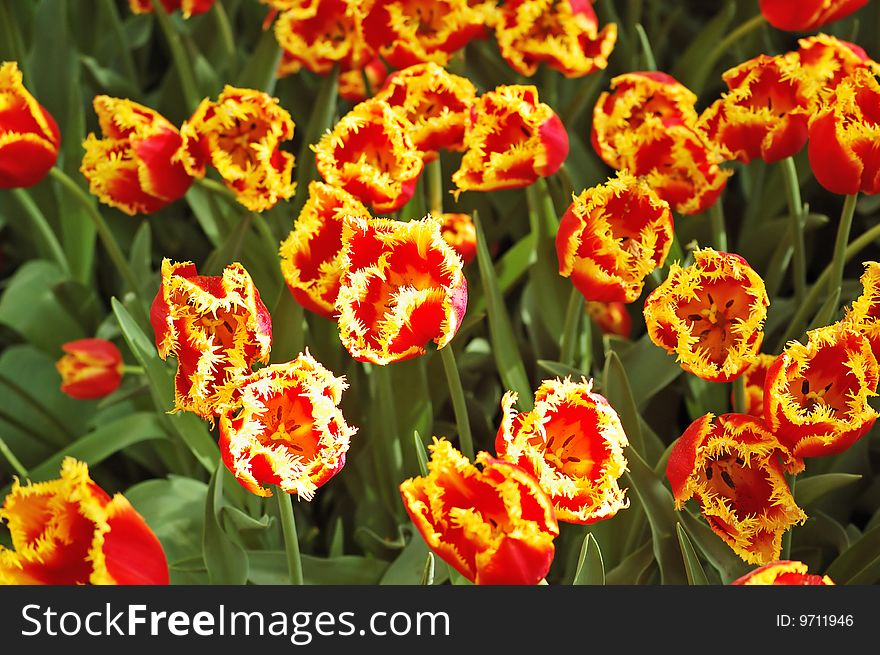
(510, 131)
(816, 391)
(713, 316)
(570, 448)
(222, 328)
(776, 95)
(239, 140)
(288, 420)
(747, 489)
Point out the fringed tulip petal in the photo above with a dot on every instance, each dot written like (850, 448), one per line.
(611, 237)
(572, 442)
(711, 314)
(286, 429)
(731, 466)
(494, 526)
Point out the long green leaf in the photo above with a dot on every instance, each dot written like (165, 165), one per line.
(188, 427)
(860, 564)
(590, 568)
(504, 346)
(225, 559)
(811, 489)
(695, 573)
(615, 387)
(718, 553)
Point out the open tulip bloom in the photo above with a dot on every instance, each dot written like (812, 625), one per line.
(732, 466)
(91, 368)
(69, 531)
(216, 326)
(402, 287)
(493, 525)
(572, 443)
(783, 572)
(710, 314)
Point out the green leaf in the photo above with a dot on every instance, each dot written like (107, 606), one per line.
(590, 568)
(30, 306)
(174, 508)
(408, 567)
(559, 369)
(225, 559)
(657, 370)
(421, 452)
(615, 387)
(100, 444)
(810, 490)
(428, 573)
(270, 567)
(552, 289)
(190, 428)
(634, 568)
(259, 70)
(717, 553)
(696, 62)
(504, 346)
(860, 564)
(695, 573)
(658, 505)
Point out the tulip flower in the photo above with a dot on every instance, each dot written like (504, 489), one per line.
(134, 166)
(29, 137)
(639, 104)
(563, 34)
(612, 236)
(408, 32)
(437, 105)
(402, 286)
(647, 126)
(311, 255)
(711, 314)
(806, 15)
(319, 34)
(285, 428)
(765, 113)
(216, 326)
(92, 368)
(240, 135)
(188, 8)
(458, 231)
(370, 154)
(864, 315)
(844, 134)
(827, 60)
(572, 442)
(783, 572)
(71, 532)
(493, 525)
(732, 466)
(610, 317)
(513, 140)
(816, 395)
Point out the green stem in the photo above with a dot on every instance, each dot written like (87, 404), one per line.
(13, 460)
(104, 233)
(647, 50)
(291, 540)
(390, 455)
(130, 369)
(435, 187)
(181, 62)
(843, 230)
(224, 29)
(368, 86)
(823, 282)
(796, 213)
(719, 232)
(568, 340)
(122, 48)
(786, 536)
(739, 395)
(48, 241)
(587, 341)
(459, 406)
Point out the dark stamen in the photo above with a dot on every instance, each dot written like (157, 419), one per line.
(695, 317)
(727, 479)
(805, 387)
(709, 472)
